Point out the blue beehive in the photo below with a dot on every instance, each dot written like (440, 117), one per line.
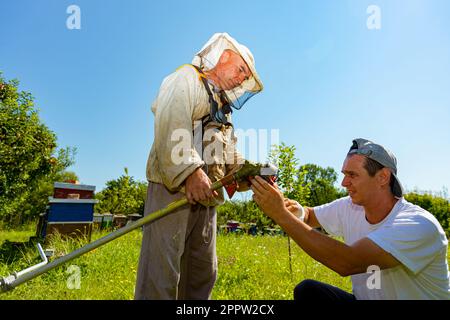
(69, 216)
(71, 210)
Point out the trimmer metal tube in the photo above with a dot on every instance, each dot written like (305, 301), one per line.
(12, 281)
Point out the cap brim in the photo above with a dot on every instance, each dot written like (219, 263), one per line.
(397, 188)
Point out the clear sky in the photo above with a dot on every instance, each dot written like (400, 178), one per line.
(329, 76)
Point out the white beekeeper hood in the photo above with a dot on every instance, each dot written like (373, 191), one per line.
(209, 55)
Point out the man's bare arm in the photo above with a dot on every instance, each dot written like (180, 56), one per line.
(338, 256)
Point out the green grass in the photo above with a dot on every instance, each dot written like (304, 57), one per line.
(107, 273)
(250, 267)
(257, 267)
(18, 235)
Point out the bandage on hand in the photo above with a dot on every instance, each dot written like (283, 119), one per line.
(295, 208)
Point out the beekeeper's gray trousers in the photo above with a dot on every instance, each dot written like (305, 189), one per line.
(178, 254)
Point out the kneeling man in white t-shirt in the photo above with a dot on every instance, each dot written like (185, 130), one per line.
(392, 249)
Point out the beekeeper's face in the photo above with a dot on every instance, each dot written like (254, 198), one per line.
(231, 70)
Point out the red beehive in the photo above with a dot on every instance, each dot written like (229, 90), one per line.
(63, 190)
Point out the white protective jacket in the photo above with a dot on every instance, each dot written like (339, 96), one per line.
(182, 100)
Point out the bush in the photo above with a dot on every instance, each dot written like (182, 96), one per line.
(438, 206)
(245, 212)
(123, 195)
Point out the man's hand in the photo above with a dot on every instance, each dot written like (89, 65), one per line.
(268, 197)
(198, 187)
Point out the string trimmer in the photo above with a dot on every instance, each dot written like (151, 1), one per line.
(230, 182)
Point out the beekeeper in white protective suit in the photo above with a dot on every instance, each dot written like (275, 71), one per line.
(193, 146)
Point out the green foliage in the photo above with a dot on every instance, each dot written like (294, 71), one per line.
(438, 206)
(244, 212)
(290, 177)
(36, 200)
(309, 184)
(26, 145)
(290, 181)
(122, 196)
(321, 184)
(28, 153)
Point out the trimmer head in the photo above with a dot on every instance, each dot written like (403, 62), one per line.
(267, 171)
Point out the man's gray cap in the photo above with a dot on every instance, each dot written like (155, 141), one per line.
(382, 156)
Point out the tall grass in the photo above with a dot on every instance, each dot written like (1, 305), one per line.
(258, 268)
(250, 267)
(21, 234)
(106, 273)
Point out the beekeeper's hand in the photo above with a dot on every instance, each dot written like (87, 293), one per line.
(295, 208)
(198, 187)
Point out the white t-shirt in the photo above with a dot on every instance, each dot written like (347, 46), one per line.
(411, 234)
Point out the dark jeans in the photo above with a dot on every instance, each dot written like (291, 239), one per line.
(311, 290)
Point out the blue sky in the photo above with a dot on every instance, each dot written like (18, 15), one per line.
(328, 77)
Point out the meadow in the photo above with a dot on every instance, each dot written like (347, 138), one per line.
(250, 268)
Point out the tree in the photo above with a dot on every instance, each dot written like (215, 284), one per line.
(123, 195)
(28, 150)
(290, 177)
(321, 184)
(31, 203)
